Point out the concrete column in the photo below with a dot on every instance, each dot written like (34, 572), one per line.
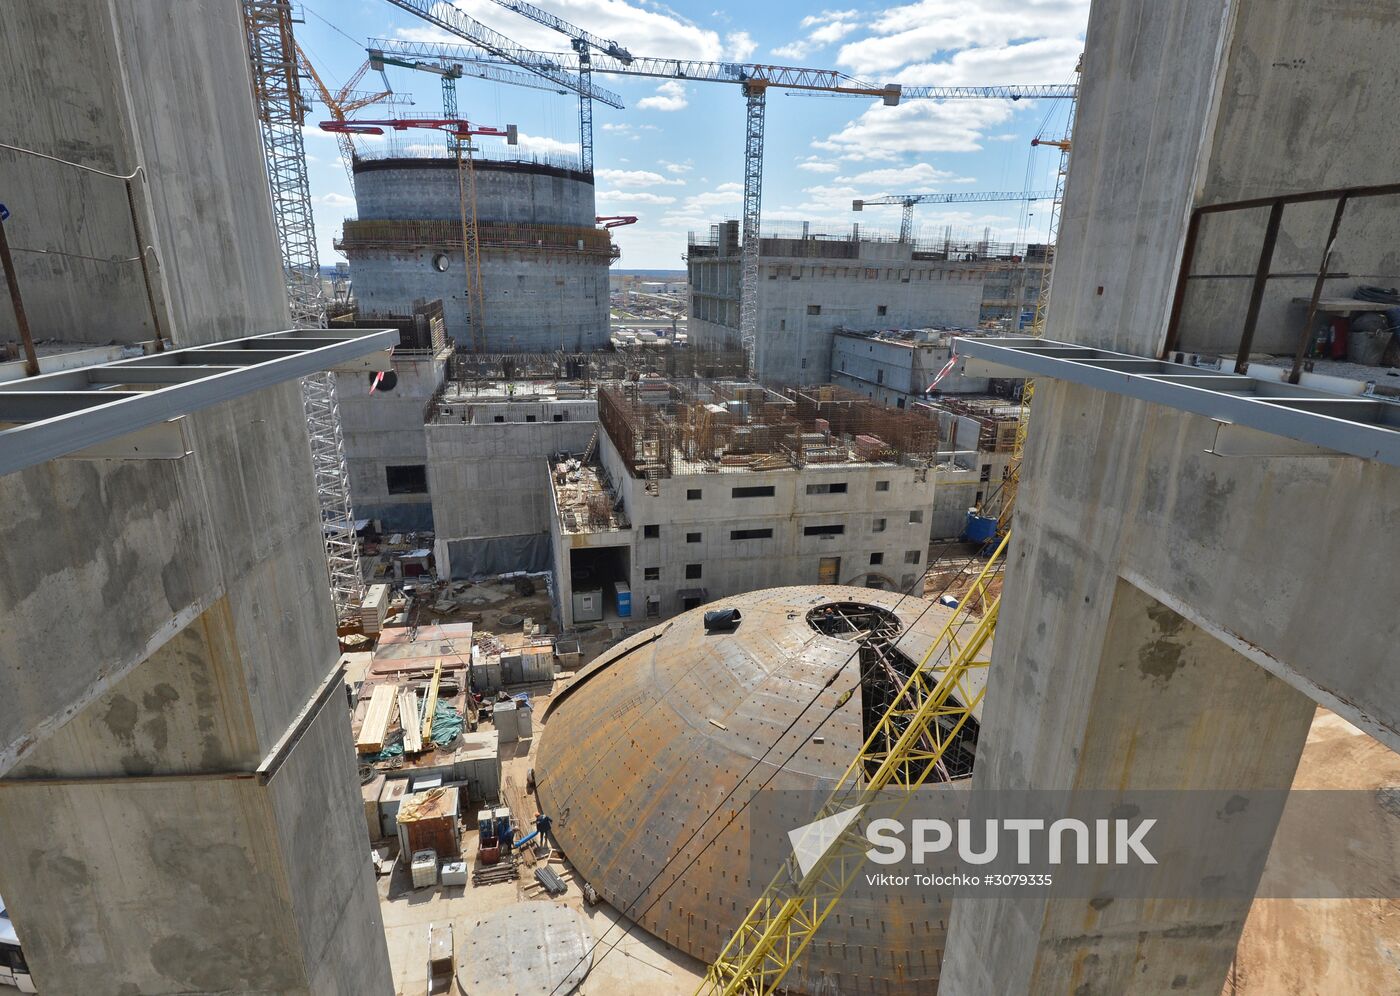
(1151, 702)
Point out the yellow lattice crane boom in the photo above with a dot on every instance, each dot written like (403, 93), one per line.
(903, 752)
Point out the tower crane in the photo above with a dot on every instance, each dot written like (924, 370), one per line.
(907, 201)
(583, 44)
(281, 112)
(755, 81)
(460, 133)
(499, 48)
(346, 101)
(450, 74)
(1004, 91)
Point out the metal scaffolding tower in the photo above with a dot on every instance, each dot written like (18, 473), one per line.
(755, 94)
(281, 112)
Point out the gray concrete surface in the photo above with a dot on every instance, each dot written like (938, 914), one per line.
(1158, 597)
(877, 285)
(539, 298)
(165, 624)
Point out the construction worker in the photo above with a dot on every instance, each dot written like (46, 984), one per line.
(543, 824)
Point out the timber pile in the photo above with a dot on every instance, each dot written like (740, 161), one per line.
(409, 719)
(377, 718)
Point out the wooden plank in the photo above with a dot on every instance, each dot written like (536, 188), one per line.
(377, 718)
(430, 706)
(408, 716)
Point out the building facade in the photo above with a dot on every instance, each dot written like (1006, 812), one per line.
(544, 262)
(897, 367)
(810, 287)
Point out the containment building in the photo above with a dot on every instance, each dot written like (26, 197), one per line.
(544, 262)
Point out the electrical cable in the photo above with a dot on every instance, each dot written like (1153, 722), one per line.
(632, 921)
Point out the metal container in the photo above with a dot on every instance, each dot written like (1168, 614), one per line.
(503, 718)
(522, 722)
(389, 800)
(588, 605)
(624, 599)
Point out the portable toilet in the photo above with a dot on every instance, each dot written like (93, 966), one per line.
(624, 599)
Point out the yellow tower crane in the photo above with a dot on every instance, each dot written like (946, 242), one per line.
(903, 752)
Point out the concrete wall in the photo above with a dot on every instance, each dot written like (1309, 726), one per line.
(491, 479)
(1166, 605)
(163, 624)
(794, 344)
(535, 302)
(205, 236)
(518, 193)
(894, 372)
(385, 429)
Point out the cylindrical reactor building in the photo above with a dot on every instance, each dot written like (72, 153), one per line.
(544, 262)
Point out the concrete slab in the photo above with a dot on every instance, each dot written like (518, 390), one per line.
(526, 948)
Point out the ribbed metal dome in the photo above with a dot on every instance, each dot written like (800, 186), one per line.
(647, 741)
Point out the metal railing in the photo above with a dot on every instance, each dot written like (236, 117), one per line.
(1263, 272)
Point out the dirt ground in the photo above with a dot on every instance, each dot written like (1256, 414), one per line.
(1325, 945)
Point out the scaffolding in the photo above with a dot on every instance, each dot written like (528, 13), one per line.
(281, 111)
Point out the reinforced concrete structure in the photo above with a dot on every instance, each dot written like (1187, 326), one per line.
(677, 712)
(809, 287)
(1184, 590)
(544, 263)
(702, 492)
(897, 366)
(178, 795)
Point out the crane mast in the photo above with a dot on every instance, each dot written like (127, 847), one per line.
(281, 110)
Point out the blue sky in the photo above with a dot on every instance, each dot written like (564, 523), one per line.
(674, 155)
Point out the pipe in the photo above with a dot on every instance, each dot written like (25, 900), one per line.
(31, 359)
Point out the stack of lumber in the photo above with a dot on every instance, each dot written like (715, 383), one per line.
(378, 716)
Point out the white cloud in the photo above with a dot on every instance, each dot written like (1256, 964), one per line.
(645, 28)
(627, 128)
(1043, 60)
(725, 193)
(334, 200)
(917, 178)
(813, 164)
(917, 127)
(635, 178)
(825, 28)
(627, 197)
(739, 45)
(918, 31)
(677, 168)
(669, 96)
(547, 146)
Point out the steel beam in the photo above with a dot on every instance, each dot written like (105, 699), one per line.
(75, 411)
(1360, 426)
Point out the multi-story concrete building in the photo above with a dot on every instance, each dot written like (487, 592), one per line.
(700, 494)
(896, 367)
(487, 452)
(810, 287)
(544, 262)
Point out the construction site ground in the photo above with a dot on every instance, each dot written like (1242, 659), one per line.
(624, 964)
(495, 608)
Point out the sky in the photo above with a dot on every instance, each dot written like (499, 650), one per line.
(674, 155)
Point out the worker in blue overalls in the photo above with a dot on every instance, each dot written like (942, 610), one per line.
(543, 824)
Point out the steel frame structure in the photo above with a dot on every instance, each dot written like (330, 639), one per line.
(281, 112)
(1325, 421)
(904, 751)
(907, 201)
(127, 406)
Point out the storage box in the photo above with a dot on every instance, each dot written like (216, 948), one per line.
(370, 792)
(423, 869)
(503, 718)
(394, 791)
(454, 873)
(428, 821)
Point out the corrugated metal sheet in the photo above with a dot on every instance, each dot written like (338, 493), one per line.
(648, 740)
